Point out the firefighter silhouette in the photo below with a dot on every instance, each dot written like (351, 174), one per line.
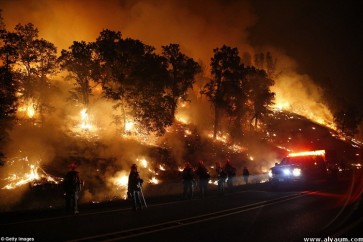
(204, 177)
(134, 191)
(245, 174)
(221, 177)
(72, 187)
(188, 181)
(231, 173)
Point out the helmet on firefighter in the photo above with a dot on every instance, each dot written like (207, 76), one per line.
(72, 166)
(134, 167)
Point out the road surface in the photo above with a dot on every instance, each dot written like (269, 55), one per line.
(254, 212)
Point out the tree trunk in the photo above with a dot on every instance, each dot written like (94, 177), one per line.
(216, 121)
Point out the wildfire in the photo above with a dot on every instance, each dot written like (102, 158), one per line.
(121, 181)
(357, 165)
(182, 111)
(16, 180)
(182, 118)
(129, 126)
(85, 122)
(317, 113)
(187, 132)
(281, 105)
(84, 126)
(224, 138)
(162, 167)
(28, 108)
(220, 137)
(133, 132)
(31, 177)
(143, 162)
(154, 180)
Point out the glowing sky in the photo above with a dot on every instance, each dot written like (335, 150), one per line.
(317, 39)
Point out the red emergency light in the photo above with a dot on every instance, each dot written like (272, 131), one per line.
(308, 153)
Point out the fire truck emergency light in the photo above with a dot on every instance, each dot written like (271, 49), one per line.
(307, 153)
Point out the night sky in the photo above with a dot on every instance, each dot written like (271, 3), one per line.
(322, 37)
(325, 37)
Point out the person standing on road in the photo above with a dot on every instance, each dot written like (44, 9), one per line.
(204, 177)
(245, 174)
(231, 173)
(188, 181)
(72, 187)
(221, 177)
(134, 188)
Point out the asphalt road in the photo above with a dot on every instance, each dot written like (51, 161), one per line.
(249, 213)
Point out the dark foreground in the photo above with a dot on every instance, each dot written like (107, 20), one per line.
(254, 212)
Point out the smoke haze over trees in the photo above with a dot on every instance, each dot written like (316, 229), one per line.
(140, 64)
(297, 34)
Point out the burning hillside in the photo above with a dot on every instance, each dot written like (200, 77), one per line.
(109, 99)
(105, 172)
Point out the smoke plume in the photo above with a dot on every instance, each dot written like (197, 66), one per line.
(198, 26)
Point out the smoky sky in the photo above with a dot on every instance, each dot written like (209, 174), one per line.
(321, 36)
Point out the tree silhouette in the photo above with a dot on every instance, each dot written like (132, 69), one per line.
(8, 105)
(224, 90)
(259, 93)
(25, 35)
(134, 76)
(32, 61)
(265, 61)
(82, 67)
(182, 71)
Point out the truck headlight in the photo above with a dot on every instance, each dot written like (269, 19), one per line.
(287, 172)
(296, 172)
(270, 174)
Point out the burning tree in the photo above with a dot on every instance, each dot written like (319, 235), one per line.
(237, 90)
(32, 61)
(131, 75)
(82, 68)
(224, 89)
(113, 72)
(182, 71)
(145, 85)
(259, 93)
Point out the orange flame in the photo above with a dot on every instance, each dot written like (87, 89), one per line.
(17, 180)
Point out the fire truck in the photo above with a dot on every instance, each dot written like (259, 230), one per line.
(303, 166)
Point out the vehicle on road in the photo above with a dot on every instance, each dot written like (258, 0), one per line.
(303, 166)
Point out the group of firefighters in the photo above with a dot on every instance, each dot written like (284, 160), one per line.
(225, 174)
